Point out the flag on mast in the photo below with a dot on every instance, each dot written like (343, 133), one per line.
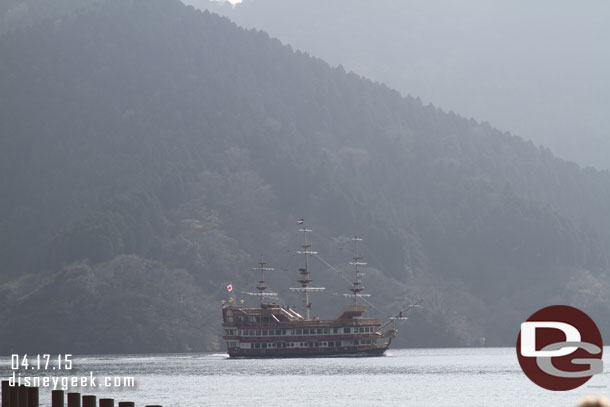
(230, 287)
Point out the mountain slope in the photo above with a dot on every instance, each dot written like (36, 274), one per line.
(539, 72)
(147, 137)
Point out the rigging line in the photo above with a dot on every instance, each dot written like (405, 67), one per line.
(366, 251)
(345, 278)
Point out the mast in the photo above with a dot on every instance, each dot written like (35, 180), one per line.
(261, 286)
(357, 286)
(305, 278)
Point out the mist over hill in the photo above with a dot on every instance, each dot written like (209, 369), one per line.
(150, 152)
(537, 70)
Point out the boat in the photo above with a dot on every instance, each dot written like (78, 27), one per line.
(272, 330)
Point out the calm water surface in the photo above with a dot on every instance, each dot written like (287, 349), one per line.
(414, 377)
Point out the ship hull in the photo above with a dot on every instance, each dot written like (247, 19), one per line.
(309, 354)
(273, 331)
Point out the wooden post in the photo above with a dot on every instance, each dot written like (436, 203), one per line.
(106, 402)
(73, 399)
(89, 401)
(23, 396)
(6, 394)
(33, 400)
(127, 404)
(14, 396)
(57, 398)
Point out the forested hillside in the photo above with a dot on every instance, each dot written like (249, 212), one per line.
(150, 152)
(537, 71)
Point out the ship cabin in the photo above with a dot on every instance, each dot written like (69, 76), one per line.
(279, 331)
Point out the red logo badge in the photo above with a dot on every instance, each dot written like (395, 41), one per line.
(560, 348)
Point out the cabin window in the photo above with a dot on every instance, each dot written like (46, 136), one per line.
(335, 330)
(299, 332)
(326, 330)
(258, 333)
(346, 330)
(319, 330)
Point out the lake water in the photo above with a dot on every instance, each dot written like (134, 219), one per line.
(409, 377)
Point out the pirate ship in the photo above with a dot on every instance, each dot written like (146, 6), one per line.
(274, 330)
